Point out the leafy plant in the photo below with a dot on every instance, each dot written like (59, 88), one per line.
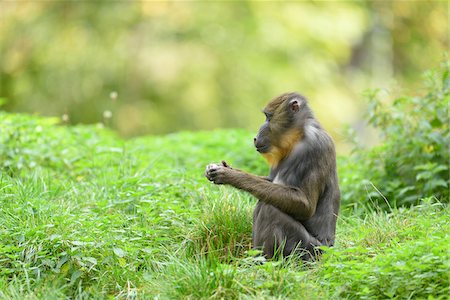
(412, 160)
(407, 263)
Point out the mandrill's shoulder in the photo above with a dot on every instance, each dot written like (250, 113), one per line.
(317, 138)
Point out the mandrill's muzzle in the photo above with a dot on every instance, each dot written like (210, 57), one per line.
(260, 145)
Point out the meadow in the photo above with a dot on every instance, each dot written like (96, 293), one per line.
(85, 214)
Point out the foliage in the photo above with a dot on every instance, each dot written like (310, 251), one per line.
(84, 214)
(412, 160)
(407, 263)
(27, 143)
(164, 66)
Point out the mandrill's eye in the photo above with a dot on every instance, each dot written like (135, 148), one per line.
(268, 116)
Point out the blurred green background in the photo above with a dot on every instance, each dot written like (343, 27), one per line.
(156, 67)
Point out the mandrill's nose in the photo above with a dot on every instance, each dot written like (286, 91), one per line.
(257, 142)
(260, 145)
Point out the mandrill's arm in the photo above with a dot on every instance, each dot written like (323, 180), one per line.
(291, 200)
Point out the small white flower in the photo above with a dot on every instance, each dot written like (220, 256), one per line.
(113, 95)
(65, 117)
(107, 114)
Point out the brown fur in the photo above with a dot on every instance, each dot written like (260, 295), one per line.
(276, 102)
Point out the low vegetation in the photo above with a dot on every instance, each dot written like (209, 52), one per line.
(412, 159)
(85, 214)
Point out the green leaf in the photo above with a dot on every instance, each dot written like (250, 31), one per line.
(119, 252)
(75, 275)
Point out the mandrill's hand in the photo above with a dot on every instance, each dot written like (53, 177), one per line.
(218, 174)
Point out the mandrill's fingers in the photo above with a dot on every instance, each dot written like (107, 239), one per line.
(211, 172)
(212, 166)
(208, 176)
(208, 170)
(215, 173)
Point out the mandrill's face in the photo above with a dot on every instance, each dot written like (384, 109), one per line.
(278, 134)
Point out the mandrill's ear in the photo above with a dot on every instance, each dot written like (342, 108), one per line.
(294, 105)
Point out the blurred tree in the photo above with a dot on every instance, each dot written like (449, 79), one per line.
(157, 67)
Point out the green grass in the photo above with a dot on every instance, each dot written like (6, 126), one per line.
(84, 214)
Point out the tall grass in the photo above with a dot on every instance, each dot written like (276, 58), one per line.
(224, 227)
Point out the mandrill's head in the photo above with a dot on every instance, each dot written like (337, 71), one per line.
(283, 128)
